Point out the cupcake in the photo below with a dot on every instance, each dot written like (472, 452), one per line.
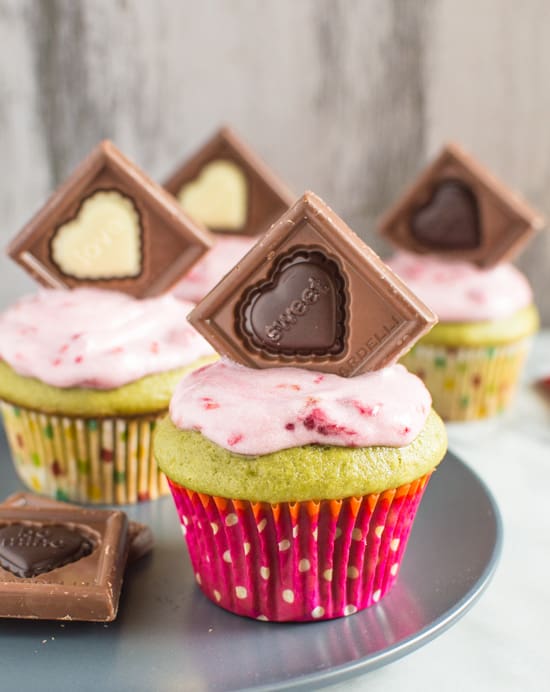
(297, 489)
(84, 377)
(86, 371)
(457, 228)
(472, 359)
(297, 472)
(228, 188)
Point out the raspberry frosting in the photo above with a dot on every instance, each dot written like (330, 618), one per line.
(458, 291)
(97, 339)
(255, 412)
(206, 273)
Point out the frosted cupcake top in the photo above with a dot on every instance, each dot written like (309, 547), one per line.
(254, 412)
(97, 339)
(458, 291)
(206, 273)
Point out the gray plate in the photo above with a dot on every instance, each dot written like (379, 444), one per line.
(168, 636)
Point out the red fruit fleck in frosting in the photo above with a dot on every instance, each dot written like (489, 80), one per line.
(365, 410)
(317, 420)
(235, 439)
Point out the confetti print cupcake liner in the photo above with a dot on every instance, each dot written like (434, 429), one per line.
(302, 561)
(87, 460)
(469, 383)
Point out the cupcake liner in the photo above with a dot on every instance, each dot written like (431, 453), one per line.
(469, 383)
(88, 460)
(297, 561)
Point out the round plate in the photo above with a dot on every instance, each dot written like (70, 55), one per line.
(168, 636)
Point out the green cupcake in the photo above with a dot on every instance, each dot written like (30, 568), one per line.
(296, 490)
(472, 359)
(84, 377)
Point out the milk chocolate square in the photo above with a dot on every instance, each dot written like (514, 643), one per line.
(62, 563)
(311, 294)
(112, 227)
(228, 188)
(459, 210)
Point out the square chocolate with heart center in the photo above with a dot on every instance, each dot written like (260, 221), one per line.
(228, 188)
(457, 209)
(61, 563)
(112, 227)
(311, 294)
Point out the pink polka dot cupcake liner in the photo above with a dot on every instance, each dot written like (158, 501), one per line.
(86, 460)
(299, 561)
(469, 383)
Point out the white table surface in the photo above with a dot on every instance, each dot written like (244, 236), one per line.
(503, 643)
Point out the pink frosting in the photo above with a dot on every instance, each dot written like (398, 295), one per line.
(260, 411)
(462, 292)
(206, 273)
(97, 339)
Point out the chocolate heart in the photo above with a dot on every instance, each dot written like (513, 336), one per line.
(218, 196)
(300, 310)
(450, 220)
(103, 240)
(28, 550)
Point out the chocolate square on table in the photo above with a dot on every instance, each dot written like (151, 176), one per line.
(457, 209)
(140, 536)
(228, 188)
(312, 294)
(110, 226)
(62, 563)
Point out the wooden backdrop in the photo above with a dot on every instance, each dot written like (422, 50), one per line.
(345, 97)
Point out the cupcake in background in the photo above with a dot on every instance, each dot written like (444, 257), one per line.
(202, 278)
(87, 366)
(456, 229)
(297, 467)
(230, 190)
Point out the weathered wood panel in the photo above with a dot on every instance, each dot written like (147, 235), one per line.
(347, 97)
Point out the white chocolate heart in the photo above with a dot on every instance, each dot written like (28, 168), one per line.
(218, 197)
(103, 241)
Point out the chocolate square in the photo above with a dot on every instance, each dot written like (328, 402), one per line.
(459, 210)
(69, 585)
(264, 195)
(311, 294)
(110, 226)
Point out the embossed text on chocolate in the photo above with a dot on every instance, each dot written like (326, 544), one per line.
(372, 343)
(296, 309)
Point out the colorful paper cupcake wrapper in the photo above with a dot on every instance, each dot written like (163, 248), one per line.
(302, 561)
(87, 460)
(469, 383)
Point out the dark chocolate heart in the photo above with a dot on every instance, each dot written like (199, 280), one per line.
(300, 310)
(28, 550)
(450, 220)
